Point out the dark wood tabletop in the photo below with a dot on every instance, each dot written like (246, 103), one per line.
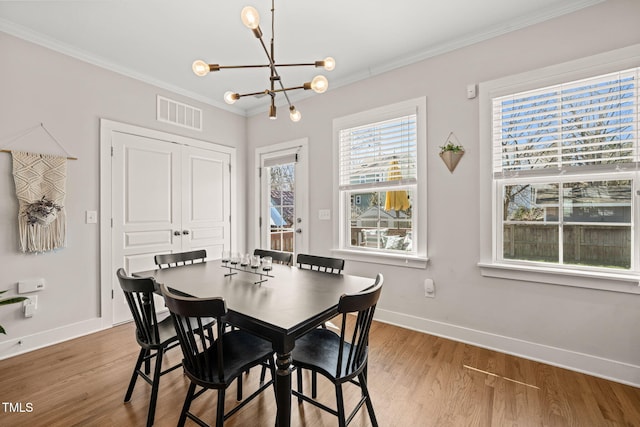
(281, 309)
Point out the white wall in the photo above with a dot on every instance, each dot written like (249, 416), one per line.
(69, 97)
(586, 330)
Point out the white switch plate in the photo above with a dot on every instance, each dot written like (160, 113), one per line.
(91, 217)
(324, 214)
(30, 306)
(471, 91)
(429, 288)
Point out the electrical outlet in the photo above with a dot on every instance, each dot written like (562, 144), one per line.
(30, 285)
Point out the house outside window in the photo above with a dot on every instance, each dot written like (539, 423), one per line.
(377, 179)
(565, 174)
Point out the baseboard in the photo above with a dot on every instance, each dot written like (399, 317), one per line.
(588, 364)
(20, 345)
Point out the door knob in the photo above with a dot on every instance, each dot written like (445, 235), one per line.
(176, 233)
(298, 230)
(185, 231)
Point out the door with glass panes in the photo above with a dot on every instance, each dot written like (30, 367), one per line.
(283, 198)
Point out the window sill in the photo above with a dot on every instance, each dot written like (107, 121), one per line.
(400, 260)
(615, 282)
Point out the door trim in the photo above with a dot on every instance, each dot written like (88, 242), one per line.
(107, 269)
(302, 181)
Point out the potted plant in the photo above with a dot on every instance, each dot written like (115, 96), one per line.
(451, 153)
(42, 212)
(8, 301)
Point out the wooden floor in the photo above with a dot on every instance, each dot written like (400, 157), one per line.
(415, 380)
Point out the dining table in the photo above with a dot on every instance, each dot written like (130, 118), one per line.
(279, 305)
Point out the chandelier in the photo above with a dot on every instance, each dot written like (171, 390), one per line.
(319, 84)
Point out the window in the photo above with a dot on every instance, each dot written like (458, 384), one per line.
(565, 173)
(378, 169)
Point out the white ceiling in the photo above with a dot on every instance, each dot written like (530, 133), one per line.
(157, 40)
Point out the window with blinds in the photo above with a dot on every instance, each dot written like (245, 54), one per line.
(587, 123)
(378, 153)
(564, 168)
(377, 178)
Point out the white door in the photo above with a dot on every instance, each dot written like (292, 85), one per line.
(206, 210)
(283, 197)
(166, 198)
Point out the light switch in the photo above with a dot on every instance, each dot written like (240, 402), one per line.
(324, 214)
(471, 91)
(91, 217)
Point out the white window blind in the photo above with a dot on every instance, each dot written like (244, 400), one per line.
(585, 123)
(378, 153)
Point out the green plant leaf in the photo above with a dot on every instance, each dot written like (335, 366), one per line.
(2, 331)
(12, 300)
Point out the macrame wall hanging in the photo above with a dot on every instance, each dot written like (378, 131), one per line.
(40, 181)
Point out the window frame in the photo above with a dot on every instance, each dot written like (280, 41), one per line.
(341, 204)
(491, 263)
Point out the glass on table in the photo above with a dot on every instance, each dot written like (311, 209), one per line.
(267, 263)
(244, 260)
(255, 261)
(235, 258)
(226, 256)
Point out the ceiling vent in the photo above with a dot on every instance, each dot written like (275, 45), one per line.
(179, 114)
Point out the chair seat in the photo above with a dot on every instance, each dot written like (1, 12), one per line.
(318, 351)
(240, 351)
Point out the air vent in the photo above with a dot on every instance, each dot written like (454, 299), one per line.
(179, 114)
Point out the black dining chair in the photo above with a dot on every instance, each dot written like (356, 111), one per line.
(320, 263)
(285, 258)
(325, 265)
(214, 364)
(180, 258)
(154, 337)
(341, 358)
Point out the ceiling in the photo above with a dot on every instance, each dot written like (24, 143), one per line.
(157, 40)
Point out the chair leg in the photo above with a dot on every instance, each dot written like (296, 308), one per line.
(239, 392)
(220, 409)
(314, 384)
(340, 403)
(365, 390)
(147, 363)
(262, 374)
(187, 404)
(299, 377)
(134, 377)
(154, 387)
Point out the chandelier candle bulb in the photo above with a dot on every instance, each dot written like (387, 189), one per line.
(319, 84)
(294, 114)
(250, 17)
(200, 68)
(329, 63)
(231, 97)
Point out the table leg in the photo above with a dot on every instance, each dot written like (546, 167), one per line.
(283, 389)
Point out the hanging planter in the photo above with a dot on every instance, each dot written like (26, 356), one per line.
(42, 212)
(451, 152)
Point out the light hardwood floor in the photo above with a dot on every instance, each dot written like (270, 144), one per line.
(415, 380)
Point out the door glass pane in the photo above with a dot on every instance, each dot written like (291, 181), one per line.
(281, 193)
(382, 220)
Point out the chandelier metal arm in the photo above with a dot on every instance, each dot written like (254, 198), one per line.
(218, 67)
(274, 71)
(306, 86)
